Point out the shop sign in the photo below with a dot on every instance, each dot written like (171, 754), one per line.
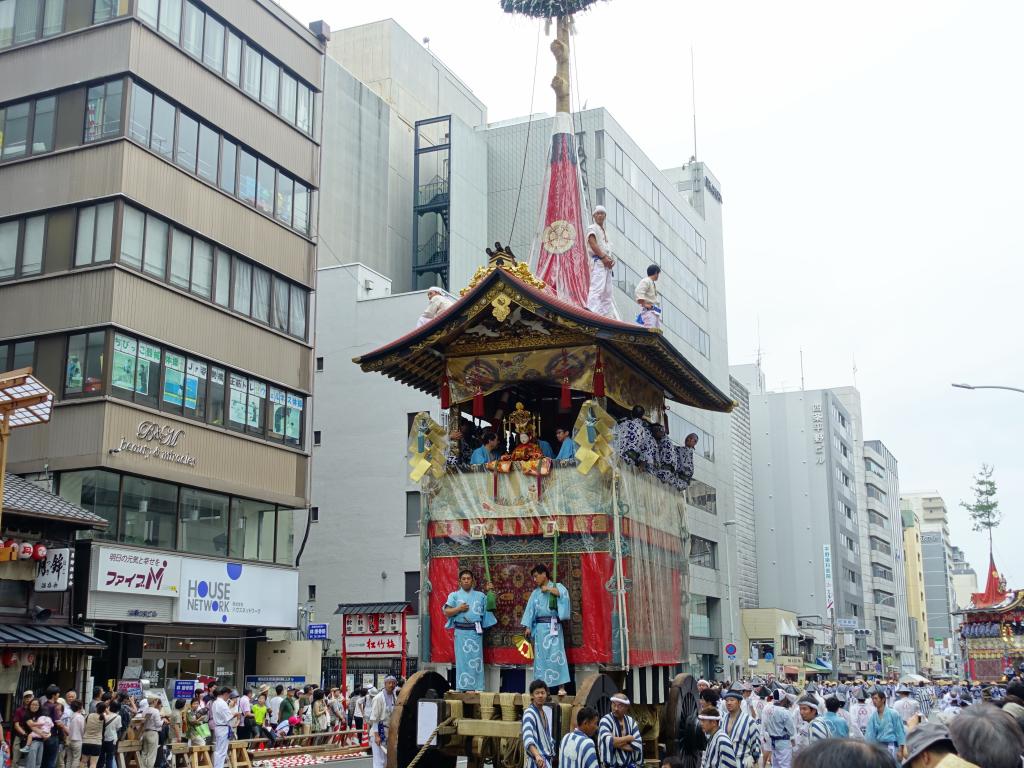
(132, 687)
(54, 574)
(374, 645)
(184, 689)
(137, 572)
(316, 632)
(818, 420)
(272, 681)
(153, 440)
(219, 592)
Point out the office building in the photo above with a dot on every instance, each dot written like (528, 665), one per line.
(965, 579)
(886, 554)
(158, 207)
(916, 605)
(745, 540)
(937, 567)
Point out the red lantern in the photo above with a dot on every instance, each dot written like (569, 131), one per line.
(39, 552)
(25, 550)
(9, 658)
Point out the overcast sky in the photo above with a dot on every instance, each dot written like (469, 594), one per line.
(871, 165)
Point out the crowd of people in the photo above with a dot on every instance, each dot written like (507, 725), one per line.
(873, 724)
(57, 729)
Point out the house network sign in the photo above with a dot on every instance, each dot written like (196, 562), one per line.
(155, 441)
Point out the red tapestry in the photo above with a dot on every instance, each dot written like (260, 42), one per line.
(588, 632)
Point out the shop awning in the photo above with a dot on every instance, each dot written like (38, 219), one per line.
(817, 668)
(788, 628)
(788, 670)
(40, 636)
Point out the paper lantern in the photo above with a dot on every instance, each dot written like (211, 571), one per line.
(39, 552)
(9, 658)
(25, 550)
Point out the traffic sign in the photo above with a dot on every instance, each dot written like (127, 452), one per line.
(719, 669)
(316, 632)
(846, 623)
(730, 649)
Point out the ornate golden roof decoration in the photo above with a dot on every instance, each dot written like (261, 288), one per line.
(503, 258)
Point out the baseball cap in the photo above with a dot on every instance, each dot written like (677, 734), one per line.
(924, 736)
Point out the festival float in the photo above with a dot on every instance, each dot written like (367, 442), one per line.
(519, 355)
(992, 629)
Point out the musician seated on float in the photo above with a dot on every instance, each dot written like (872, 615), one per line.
(487, 452)
(568, 449)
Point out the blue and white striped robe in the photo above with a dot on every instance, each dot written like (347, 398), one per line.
(577, 751)
(626, 757)
(536, 734)
(719, 753)
(745, 735)
(817, 730)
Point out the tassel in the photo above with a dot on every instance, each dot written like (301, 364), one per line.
(446, 392)
(599, 375)
(565, 402)
(478, 403)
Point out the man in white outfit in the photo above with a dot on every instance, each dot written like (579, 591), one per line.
(380, 719)
(600, 300)
(437, 302)
(220, 720)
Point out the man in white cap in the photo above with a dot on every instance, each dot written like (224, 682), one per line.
(720, 751)
(380, 719)
(600, 300)
(907, 707)
(741, 729)
(618, 737)
(817, 728)
(437, 302)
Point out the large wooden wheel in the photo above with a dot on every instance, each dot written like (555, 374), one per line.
(402, 746)
(683, 735)
(595, 691)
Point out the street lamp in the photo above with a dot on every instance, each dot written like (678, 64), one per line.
(988, 386)
(24, 402)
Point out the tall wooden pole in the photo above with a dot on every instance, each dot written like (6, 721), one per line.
(560, 49)
(5, 434)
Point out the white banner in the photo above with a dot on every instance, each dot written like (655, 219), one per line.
(374, 645)
(219, 592)
(54, 572)
(137, 572)
(829, 586)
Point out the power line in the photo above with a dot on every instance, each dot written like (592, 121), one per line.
(529, 125)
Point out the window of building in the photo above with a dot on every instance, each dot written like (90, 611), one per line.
(316, 437)
(881, 572)
(702, 496)
(314, 514)
(203, 522)
(252, 530)
(297, 313)
(703, 552)
(22, 21)
(172, 396)
(17, 354)
(84, 370)
(271, 80)
(304, 109)
(154, 259)
(875, 493)
(265, 187)
(877, 545)
(149, 11)
(103, 111)
(311, 591)
(251, 63)
(877, 519)
(14, 121)
(187, 145)
(216, 396)
(181, 258)
(42, 125)
(281, 296)
(319, 364)
(96, 491)
(261, 294)
(192, 37)
(700, 616)
(213, 45)
(162, 138)
(289, 91)
(247, 176)
(255, 414)
(233, 70)
(241, 299)
(285, 539)
(412, 590)
(95, 234)
(412, 512)
(209, 146)
(851, 576)
(21, 246)
(195, 389)
(170, 19)
(149, 512)
(283, 201)
(228, 156)
(140, 114)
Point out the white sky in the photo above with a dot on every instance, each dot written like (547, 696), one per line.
(871, 164)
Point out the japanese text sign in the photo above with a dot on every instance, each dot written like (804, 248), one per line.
(137, 572)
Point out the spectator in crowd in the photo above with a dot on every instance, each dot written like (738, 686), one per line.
(75, 735)
(92, 733)
(259, 715)
(176, 721)
(985, 735)
(37, 729)
(197, 729)
(53, 745)
(112, 726)
(274, 707)
(18, 731)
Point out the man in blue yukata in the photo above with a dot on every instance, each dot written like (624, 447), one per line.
(487, 452)
(568, 449)
(543, 623)
(467, 614)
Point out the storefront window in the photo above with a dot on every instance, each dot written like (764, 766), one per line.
(285, 535)
(252, 530)
(94, 490)
(700, 620)
(203, 523)
(84, 370)
(150, 512)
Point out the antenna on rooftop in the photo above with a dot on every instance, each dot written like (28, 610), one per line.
(426, 42)
(693, 95)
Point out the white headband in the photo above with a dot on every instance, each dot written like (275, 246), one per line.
(708, 717)
(620, 700)
(599, 209)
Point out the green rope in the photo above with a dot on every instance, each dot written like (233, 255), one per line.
(553, 599)
(492, 599)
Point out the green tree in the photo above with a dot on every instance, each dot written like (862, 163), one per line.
(985, 514)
